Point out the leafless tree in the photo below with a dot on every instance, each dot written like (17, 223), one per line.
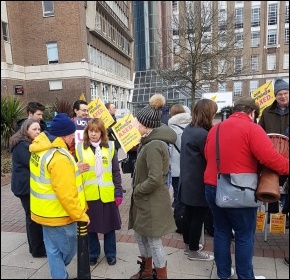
(206, 45)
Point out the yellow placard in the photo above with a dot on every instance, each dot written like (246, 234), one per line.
(277, 223)
(264, 96)
(82, 97)
(127, 134)
(97, 109)
(260, 221)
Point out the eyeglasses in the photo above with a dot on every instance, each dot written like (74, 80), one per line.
(282, 94)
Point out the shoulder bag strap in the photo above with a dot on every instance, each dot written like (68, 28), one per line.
(179, 126)
(217, 149)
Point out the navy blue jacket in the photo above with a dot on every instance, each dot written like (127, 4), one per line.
(20, 180)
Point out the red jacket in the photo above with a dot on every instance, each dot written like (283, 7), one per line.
(242, 145)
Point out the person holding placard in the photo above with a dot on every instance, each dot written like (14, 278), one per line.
(103, 188)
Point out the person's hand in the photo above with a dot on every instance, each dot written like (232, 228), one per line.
(83, 167)
(118, 200)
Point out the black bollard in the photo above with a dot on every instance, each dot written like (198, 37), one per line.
(83, 265)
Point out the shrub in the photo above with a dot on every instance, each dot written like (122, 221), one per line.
(64, 106)
(6, 164)
(48, 113)
(11, 111)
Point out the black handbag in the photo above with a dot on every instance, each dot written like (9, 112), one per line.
(126, 165)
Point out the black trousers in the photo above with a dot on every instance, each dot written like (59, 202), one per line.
(33, 230)
(194, 217)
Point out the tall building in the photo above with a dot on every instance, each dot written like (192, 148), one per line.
(152, 22)
(259, 31)
(58, 49)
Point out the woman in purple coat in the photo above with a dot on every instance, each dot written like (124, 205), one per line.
(98, 162)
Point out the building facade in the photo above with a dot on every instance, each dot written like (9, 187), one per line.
(58, 49)
(260, 37)
(259, 31)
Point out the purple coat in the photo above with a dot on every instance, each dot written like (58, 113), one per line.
(105, 217)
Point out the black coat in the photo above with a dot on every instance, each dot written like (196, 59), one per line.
(20, 180)
(112, 136)
(192, 166)
(42, 123)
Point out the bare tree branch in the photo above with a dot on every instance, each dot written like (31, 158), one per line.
(206, 47)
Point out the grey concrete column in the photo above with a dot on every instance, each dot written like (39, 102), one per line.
(110, 93)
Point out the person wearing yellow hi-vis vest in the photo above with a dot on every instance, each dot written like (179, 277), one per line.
(57, 199)
(98, 162)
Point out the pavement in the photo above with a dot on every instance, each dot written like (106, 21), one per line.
(17, 262)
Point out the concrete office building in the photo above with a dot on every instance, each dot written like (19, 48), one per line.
(60, 49)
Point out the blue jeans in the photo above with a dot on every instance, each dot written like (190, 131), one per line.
(109, 244)
(61, 246)
(243, 222)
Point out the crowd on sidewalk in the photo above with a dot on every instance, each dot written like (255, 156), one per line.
(63, 182)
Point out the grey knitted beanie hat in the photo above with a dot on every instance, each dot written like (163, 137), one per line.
(150, 115)
(280, 84)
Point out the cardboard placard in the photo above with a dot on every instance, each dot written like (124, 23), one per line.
(277, 223)
(260, 221)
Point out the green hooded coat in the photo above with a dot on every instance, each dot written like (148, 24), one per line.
(150, 211)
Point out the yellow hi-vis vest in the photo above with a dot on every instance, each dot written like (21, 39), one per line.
(105, 190)
(43, 201)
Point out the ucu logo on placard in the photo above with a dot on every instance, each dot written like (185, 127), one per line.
(81, 122)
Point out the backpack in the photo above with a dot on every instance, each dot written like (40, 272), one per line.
(178, 215)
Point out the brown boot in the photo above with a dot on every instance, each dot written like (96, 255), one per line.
(145, 271)
(161, 272)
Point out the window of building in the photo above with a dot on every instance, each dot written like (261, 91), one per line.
(286, 35)
(206, 67)
(255, 16)
(47, 7)
(239, 42)
(55, 85)
(272, 37)
(286, 61)
(5, 31)
(239, 12)
(271, 61)
(52, 52)
(98, 21)
(272, 14)
(238, 88)
(255, 39)
(238, 64)
(222, 87)
(222, 67)
(254, 84)
(255, 63)
(287, 12)
(205, 88)
(174, 6)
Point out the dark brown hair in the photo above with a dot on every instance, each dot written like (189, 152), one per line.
(96, 124)
(32, 107)
(176, 109)
(203, 113)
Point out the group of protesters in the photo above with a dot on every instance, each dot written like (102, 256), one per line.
(63, 182)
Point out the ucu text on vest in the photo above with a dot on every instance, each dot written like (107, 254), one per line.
(34, 159)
